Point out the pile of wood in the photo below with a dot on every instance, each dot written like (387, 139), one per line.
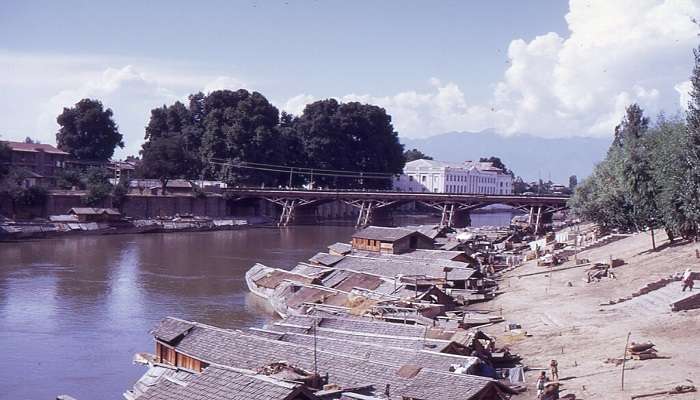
(642, 351)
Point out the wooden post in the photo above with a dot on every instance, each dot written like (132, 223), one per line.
(624, 359)
(537, 222)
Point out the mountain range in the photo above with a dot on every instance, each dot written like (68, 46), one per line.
(529, 157)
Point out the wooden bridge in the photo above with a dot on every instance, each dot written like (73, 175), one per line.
(454, 207)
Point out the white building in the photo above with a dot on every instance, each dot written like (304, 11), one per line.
(444, 177)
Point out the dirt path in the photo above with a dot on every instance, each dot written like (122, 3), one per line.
(567, 322)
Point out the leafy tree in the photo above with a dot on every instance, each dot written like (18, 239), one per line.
(88, 131)
(69, 178)
(633, 126)
(239, 126)
(667, 140)
(637, 168)
(691, 194)
(350, 137)
(164, 158)
(96, 182)
(120, 193)
(415, 154)
(573, 181)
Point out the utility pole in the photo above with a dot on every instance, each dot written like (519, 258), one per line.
(290, 177)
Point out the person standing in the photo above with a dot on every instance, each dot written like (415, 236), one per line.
(687, 280)
(554, 370)
(541, 382)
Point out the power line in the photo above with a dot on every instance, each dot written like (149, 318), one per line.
(305, 171)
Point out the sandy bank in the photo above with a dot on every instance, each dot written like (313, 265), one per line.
(568, 323)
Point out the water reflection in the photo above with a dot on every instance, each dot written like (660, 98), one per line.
(75, 310)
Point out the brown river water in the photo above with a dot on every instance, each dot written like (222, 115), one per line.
(74, 310)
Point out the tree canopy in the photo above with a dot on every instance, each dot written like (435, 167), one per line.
(88, 131)
(240, 138)
(350, 137)
(165, 158)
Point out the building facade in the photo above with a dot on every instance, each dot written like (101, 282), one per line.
(443, 177)
(41, 161)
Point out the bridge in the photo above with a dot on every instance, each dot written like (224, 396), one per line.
(454, 207)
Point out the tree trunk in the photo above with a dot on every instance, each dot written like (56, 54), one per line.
(164, 183)
(653, 241)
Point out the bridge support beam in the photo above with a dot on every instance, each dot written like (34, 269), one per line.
(372, 212)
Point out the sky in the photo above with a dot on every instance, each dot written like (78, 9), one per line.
(541, 67)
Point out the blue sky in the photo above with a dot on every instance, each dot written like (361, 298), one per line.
(548, 68)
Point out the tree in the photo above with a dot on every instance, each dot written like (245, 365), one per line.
(573, 181)
(691, 194)
(5, 160)
(632, 127)
(96, 182)
(88, 131)
(350, 137)
(221, 130)
(164, 158)
(415, 154)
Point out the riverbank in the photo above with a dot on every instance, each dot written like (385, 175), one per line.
(563, 318)
(22, 231)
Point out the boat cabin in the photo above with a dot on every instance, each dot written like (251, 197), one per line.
(390, 240)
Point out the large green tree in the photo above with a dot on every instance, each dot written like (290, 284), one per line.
(221, 131)
(691, 195)
(88, 131)
(164, 158)
(350, 137)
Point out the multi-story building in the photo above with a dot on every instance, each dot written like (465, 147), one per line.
(444, 177)
(43, 161)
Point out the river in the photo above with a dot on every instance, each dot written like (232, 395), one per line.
(74, 310)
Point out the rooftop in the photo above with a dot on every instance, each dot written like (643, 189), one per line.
(384, 234)
(221, 383)
(342, 364)
(34, 147)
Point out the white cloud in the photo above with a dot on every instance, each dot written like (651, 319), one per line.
(42, 85)
(617, 52)
(296, 104)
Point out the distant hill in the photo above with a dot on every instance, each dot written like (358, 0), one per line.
(528, 156)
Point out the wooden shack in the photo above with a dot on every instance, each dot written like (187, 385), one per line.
(390, 240)
(92, 214)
